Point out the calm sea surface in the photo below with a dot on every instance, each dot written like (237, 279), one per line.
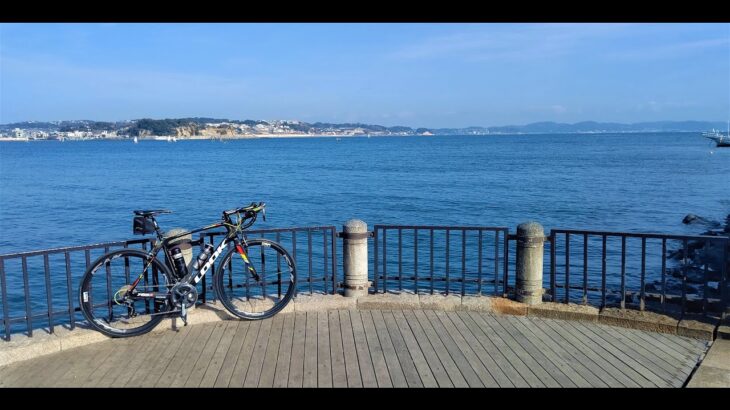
(72, 193)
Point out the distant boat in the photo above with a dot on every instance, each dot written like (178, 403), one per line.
(135, 140)
(720, 140)
(338, 139)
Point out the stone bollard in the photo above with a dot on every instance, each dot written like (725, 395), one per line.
(530, 245)
(355, 257)
(184, 243)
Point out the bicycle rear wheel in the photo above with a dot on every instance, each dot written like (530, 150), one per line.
(109, 307)
(246, 297)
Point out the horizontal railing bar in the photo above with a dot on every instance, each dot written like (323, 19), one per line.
(274, 230)
(442, 227)
(641, 235)
(72, 248)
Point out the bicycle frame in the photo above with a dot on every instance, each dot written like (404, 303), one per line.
(163, 244)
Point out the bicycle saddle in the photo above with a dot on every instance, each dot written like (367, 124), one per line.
(151, 212)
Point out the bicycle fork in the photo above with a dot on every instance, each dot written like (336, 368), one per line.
(246, 262)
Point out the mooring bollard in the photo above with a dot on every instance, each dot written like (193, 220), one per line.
(530, 244)
(355, 257)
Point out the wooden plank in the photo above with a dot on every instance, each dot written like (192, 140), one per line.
(192, 352)
(547, 372)
(418, 355)
(619, 355)
(395, 369)
(339, 374)
(666, 360)
(59, 363)
(242, 360)
(285, 350)
(223, 378)
(18, 374)
(603, 360)
(81, 361)
(404, 357)
(652, 339)
(219, 356)
(268, 369)
(258, 354)
(107, 372)
(352, 368)
(480, 328)
(310, 352)
(168, 337)
(670, 341)
(296, 366)
(364, 359)
(38, 372)
(573, 369)
(575, 357)
(457, 379)
(459, 350)
(501, 369)
(478, 356)
(121, 363)
(203, 360)
(158, 367)
(324, 364)
(376, 350)
(638, 357)
(129, 366)
(614, 336)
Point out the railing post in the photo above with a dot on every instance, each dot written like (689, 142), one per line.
(355, 257)
(530, 244)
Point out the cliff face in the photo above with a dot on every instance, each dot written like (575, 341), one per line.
(193, 130)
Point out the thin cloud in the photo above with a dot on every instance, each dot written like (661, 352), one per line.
(496, 42)
(671, 50)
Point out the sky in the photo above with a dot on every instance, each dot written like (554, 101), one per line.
(418, 75)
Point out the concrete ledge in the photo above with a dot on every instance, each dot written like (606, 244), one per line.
(564, 311)
(313, 303)
(476, 304)
(439, 302)
(389, 301)
(508, 307)
(723, 331)
(634, 319)
(698, 327)
(21, 347)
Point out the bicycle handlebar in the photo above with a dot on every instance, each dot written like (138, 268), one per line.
(254, 207)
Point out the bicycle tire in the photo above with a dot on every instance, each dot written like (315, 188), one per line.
(241, 300)
(115, 324)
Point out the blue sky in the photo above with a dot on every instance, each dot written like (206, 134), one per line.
(431, 75)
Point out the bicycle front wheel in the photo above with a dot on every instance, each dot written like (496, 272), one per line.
(109, 306)
(258, 283)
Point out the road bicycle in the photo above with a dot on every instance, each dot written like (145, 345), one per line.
(127, 292)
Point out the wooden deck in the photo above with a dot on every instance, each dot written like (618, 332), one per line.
(350, 348)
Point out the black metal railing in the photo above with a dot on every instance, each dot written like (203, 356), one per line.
(40, 288)
(488, 249)
(316, 272)
(639, 274)
(55, 289)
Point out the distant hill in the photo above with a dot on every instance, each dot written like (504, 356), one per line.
(194, 125)
(592, 126)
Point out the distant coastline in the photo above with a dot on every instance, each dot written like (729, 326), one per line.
(211, 128)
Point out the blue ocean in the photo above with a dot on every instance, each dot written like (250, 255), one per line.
(55, 194)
